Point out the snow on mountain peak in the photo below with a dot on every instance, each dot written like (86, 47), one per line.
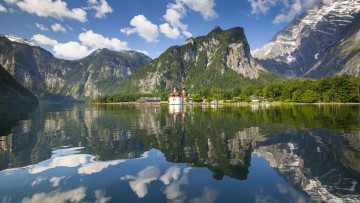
(21, 40)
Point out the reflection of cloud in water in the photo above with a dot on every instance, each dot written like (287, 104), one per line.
(95, 167)
(37, 181)
(173, 178)
(171, 173)
(57, 196)
(100, 197)
(138, 183)
(56, 180)
(173, 191)
(63, 161)
(208, 195)
(296, 196)
(65, 158)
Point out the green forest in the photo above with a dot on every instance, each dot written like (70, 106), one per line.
(339, 89)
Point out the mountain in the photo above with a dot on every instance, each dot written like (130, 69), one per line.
(322, 42)
(221, 59)
(43, 74)
(12, 92)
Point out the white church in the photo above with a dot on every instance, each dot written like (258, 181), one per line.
(175, 98)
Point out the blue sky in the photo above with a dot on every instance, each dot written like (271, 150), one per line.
(72, 29)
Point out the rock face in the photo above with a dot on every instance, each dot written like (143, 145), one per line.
(219, 59)
(43, 74)
(12, 92)
(311, 44)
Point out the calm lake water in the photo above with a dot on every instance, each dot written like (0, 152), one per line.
(118, 153)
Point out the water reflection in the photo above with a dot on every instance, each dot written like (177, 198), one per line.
(315, 148)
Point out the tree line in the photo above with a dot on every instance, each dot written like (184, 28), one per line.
(340, 89)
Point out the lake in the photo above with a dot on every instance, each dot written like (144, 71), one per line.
(128, 153)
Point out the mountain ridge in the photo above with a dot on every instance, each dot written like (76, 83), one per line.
(306, 41)
(42, 73)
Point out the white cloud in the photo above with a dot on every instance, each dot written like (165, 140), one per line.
(261, 6)
(142, 51)
(58, 28)
(48, 8)
(41, 27)
(89, 41)
(205, 7)
(172, 33)
(295, 10)
(101, 7)
(174, 14)
(43, 40)
(290, 8)
(71, 50)
(2, 8)
(97, 41)
(143, 27)
(187, 34)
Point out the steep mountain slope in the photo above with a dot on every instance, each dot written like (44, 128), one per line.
(42, 73)
(310, 39)
(12, 92)
(220, 59)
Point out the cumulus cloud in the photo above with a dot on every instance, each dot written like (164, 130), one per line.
(205, 7)
(58, 28)
(71, 50)
(174, 14)
(48, 8)
(2, 8)
(101, 7)
(41, 39)
(261, 6)
(296, 9)
(142, 51)
(97, 41)
(187, 34)
(172, 33)
(41, 27)
(143, 27)
(89, 41)
(290, 8)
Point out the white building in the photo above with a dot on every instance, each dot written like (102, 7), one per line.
(175, 98)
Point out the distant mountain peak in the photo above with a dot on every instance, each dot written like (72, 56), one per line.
(21, 40)
(306, 41)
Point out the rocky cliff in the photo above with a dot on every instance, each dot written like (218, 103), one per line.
(318, 43)
(12, 92)
(219, 59)
(43, 74)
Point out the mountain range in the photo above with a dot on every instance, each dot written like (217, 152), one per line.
(324, 41)
(43, 74)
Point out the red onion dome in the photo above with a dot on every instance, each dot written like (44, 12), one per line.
(177, 94)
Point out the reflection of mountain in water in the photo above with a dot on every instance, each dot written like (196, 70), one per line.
(315, 162)
(325, 164)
